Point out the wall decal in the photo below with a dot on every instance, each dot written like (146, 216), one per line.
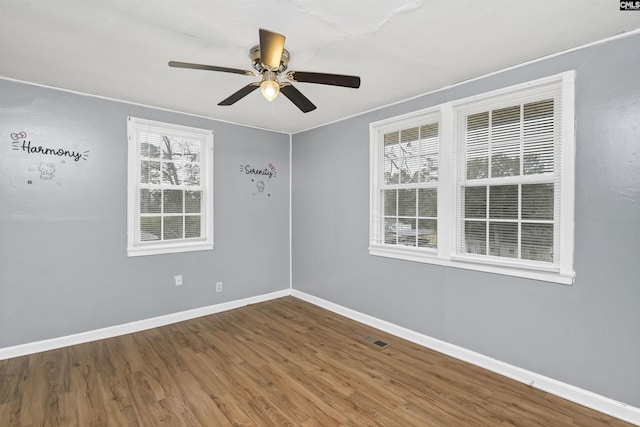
(18, 135)
(39, 149)
(45, 168)
(269, 171)
(265, 173)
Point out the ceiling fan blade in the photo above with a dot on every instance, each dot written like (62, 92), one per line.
(324, 79)
(240, 94)
(271, 46)
(295, 96)
(178, 64)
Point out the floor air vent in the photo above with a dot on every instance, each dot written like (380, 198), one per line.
(376, 342)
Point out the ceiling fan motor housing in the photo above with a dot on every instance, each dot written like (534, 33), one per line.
(257, 64)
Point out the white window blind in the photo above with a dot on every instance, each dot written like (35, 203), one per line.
(170, 189)
(509, 176)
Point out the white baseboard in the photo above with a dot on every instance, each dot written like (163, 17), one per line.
(127, 328)
(580, 396)
(574, 394)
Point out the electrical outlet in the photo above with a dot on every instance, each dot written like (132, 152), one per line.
(218, 286)
(178, 279)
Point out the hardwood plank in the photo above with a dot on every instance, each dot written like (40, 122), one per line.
(279, 363)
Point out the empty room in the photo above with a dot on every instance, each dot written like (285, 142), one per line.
(322, 213)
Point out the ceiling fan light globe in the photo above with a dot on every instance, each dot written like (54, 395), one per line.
(270, 89)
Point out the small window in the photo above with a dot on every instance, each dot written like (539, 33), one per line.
(170, 186)
(405, 215)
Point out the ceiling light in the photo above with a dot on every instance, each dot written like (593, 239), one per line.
(269, 86)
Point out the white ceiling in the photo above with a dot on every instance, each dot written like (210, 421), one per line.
(400, 49)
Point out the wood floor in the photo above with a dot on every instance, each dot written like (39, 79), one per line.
(279, 363)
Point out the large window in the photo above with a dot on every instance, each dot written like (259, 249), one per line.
(170, 201)
(484, 183)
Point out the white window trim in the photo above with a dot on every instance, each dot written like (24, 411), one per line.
(447, 201)
(376, 154)
(134, 246)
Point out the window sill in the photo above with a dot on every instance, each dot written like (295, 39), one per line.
(430, 256)
(168, 248)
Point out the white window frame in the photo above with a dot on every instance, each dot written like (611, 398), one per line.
(137, 247)
(378, 130)
(445, 253)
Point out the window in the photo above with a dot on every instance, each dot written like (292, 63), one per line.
(407, 194)
(483, 183)
(170, 188)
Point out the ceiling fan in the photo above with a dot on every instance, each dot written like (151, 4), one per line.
(270, 60)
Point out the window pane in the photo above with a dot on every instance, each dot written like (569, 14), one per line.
(505, 127)
(144, 149)
(170, 173)
(477, 145)
(173, 227)
(410, 147)
(144, 172)
(192, 226)
(538, 160)
(505, 141)
(189, 174)
(150, 201)
(172, 200)
(390, 231)
(475, 237)
(389, 202)
(505, 118)
(475, 202)
(154, 172)
(407, 231)
(539, 137)
(477, 168)
(429, 138)
(150, 228)
(407, 202)
(503, 201)
(391, 141)
(392, 158)
(427, 233)
(537, 242)
(149, 145)
(191, 150)
(391, 171)
(537, 201)
(504, 163)
(428, 168)
(409, 170)
(171, 148)
(409, 142)
(429, 147)
(478, 124)
(149, 172)
(503, 239)
(192, 201)
(428, 202)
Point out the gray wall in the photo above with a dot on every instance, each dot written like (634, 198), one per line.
(588, 334)
(63, 262)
